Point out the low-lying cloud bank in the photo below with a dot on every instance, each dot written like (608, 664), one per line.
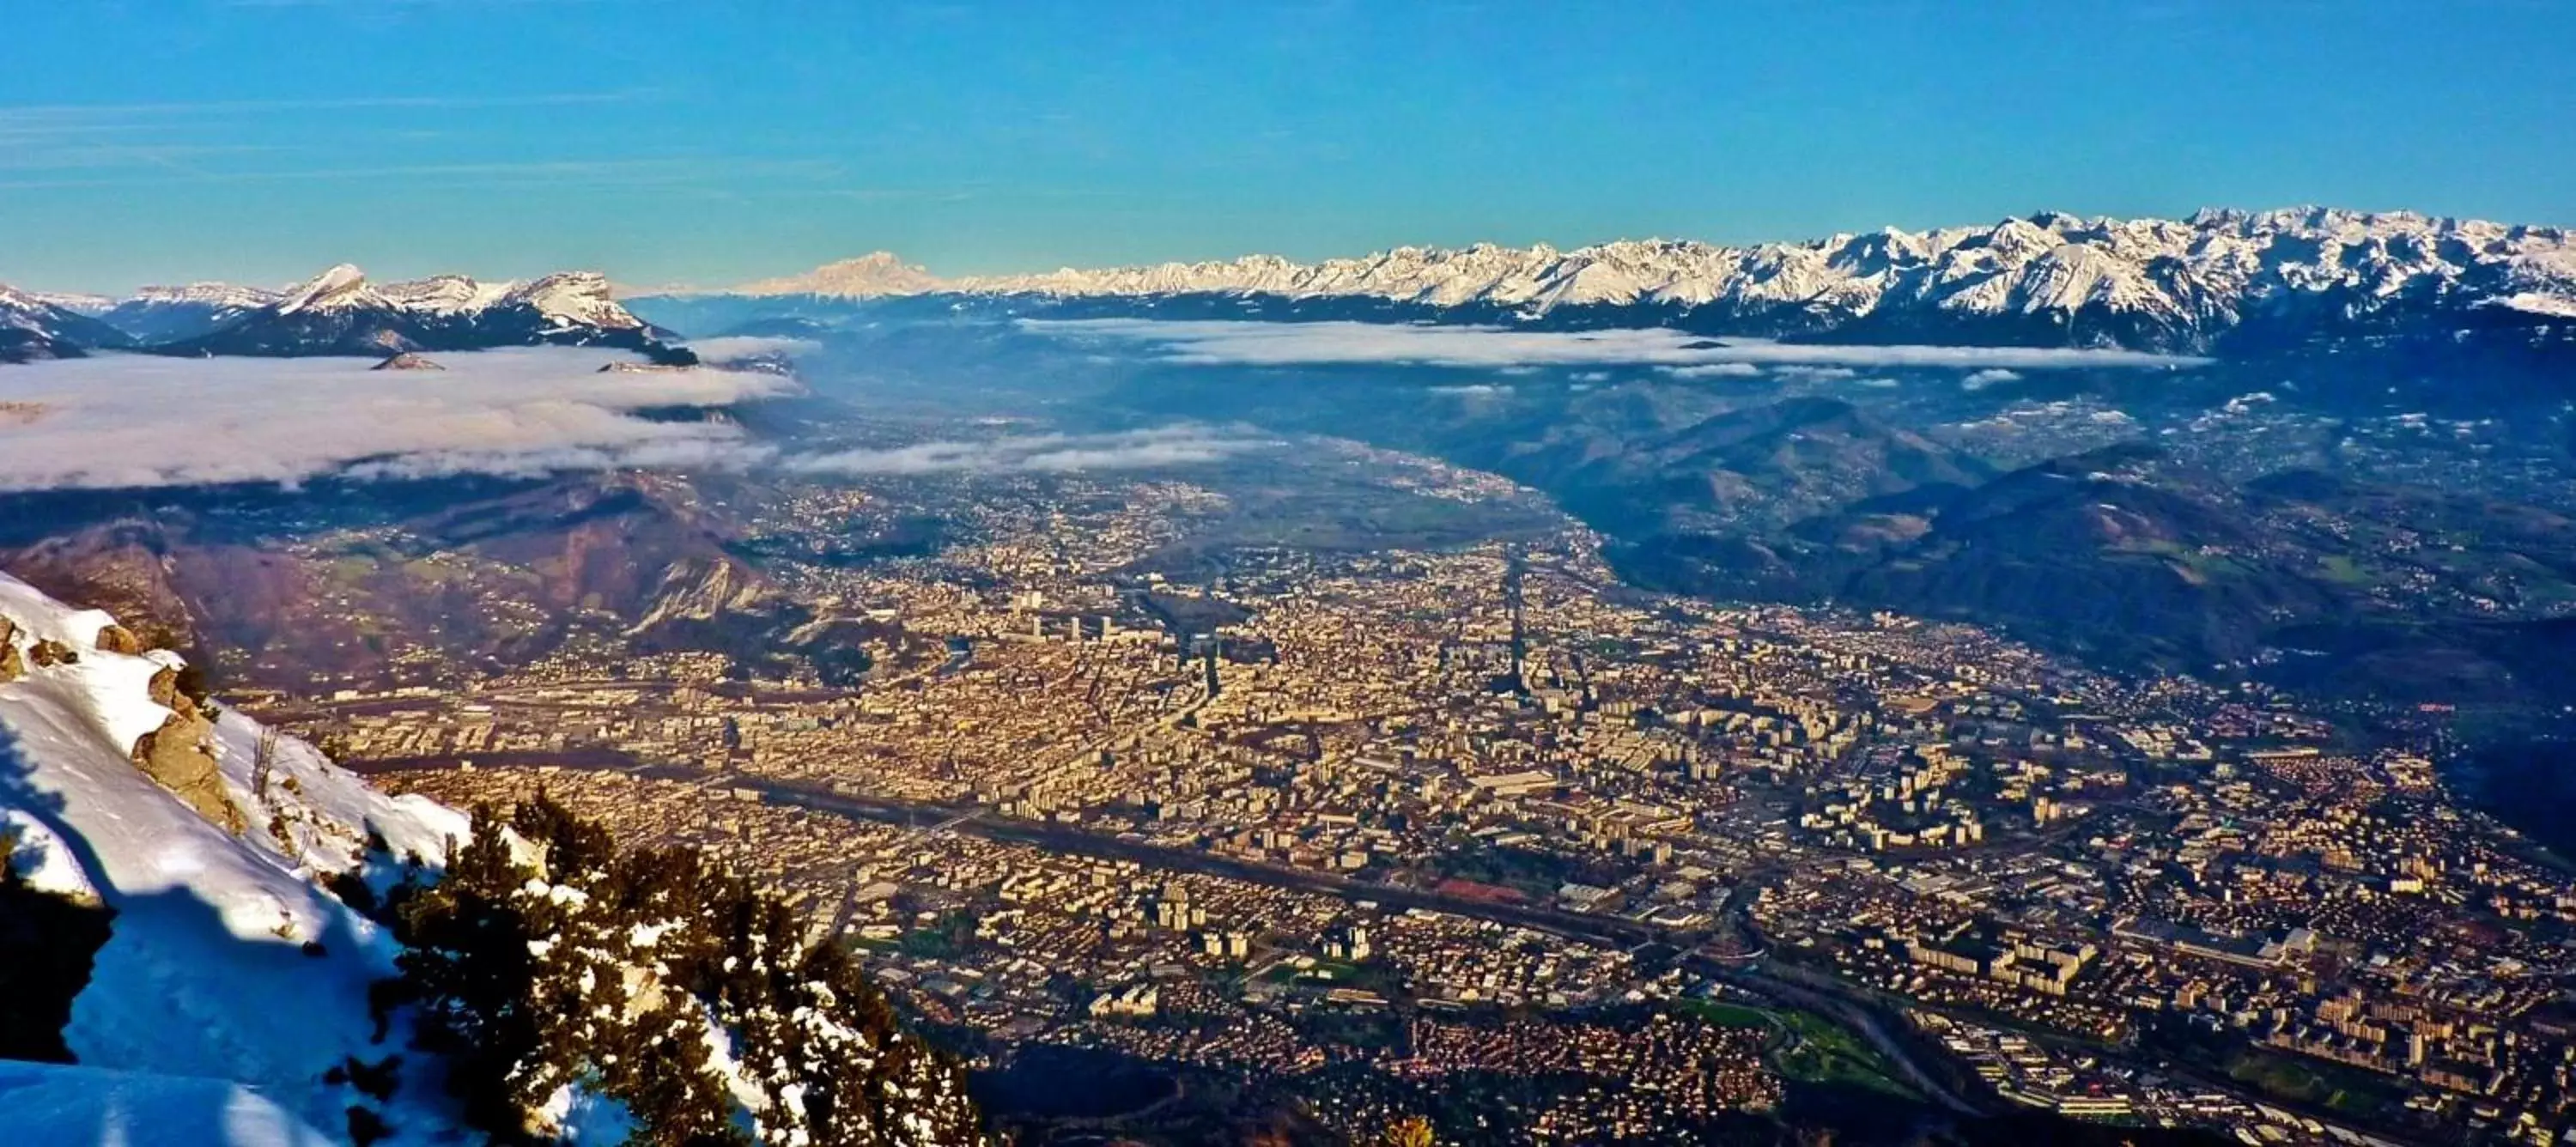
(141, 420)
(1042, 453)
(1237, 343)
(739, 348)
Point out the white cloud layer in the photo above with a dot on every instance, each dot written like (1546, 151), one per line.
(1714, 370)
(1224, 342)
(735, 348)
(1042, 453)
(142, 420)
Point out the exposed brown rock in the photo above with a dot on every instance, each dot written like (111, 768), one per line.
(49, 653)
(12, 667)
(116, 638)
(177, 757)
(22, 413)
(164, 689)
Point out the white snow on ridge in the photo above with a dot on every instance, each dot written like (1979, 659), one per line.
(340, 288)
(2198, 272)
(573, 299)
(226, 295)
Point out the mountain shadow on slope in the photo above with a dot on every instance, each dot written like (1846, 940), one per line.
(2126, 556)
(1762, 466)
(48, 941)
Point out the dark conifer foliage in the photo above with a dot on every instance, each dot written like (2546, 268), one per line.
(546, 959)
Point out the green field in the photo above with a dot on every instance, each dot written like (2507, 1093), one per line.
(1723, 1014)
(1811, 1050)
(2347, 1090)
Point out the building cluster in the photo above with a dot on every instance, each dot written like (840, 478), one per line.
(1591, 803)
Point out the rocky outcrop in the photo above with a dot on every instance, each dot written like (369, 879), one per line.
(49, 653)
(12, 666)
(408, 361)
(164, 690)
(118, 639)
(178, 756)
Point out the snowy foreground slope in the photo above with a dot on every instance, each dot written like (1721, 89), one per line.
(231, 983)
(44, 1103)
(647, 991)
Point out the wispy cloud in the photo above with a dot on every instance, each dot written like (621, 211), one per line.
(1219, 342)
(1043, 453)
(140, 420)
(552, 173)
(68, 116)
(736, 348)
(379, 5)
(236, 140)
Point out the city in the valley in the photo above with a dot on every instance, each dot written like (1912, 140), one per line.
(1228, 805)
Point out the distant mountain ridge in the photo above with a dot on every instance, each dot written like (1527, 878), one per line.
(34, 326)
(341, 311)
(338, 312)
(2048, 278)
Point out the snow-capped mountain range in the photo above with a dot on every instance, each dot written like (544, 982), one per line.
(35, 326)
(167, 314)
(2051, 277)
(339, 311)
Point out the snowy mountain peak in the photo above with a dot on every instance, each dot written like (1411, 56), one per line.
(572, 299)
(870, 275)
(342, 287)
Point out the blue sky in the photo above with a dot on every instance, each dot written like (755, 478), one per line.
(670, 141)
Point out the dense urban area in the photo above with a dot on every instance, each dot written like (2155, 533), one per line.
(1476, 832)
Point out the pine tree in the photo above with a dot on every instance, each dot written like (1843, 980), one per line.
(612, 971)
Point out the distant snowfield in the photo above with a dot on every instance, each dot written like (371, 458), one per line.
(1240, 343)
(119, 420)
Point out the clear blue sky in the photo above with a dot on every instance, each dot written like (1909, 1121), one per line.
(660, 140)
